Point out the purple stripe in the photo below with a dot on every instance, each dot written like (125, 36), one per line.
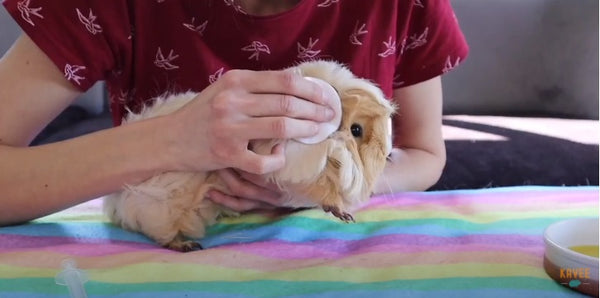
(67, 245)
(393, 243)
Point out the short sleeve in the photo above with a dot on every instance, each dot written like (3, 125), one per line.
(87, 40)
(431, 45)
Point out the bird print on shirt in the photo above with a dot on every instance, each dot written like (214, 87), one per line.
(417, 41)
(166, 63)
(397, 81)
(358, 31)
(236, 7)
(390, 48)
(89, 22)
(215, 76)
(449, 65)
(308, 51)
(71, 73)
(196, 28)
(122, 97)
(256, 47)
(403, 46)
(327, 3)
(419, 3)
(27, 12)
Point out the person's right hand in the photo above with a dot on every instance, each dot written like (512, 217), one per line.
(213, 131)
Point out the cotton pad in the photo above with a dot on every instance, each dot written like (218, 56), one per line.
(333, 101)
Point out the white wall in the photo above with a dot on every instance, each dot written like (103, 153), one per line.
(533, 56)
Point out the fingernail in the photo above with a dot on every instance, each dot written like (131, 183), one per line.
(329, 113)
(315, 129)
(209, 195)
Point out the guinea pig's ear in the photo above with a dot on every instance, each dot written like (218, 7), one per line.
(374, 150)
(364, 108)
(352, 100)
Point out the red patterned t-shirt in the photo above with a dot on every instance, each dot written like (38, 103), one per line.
(144, 48)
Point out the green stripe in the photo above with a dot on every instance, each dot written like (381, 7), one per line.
(31, 285)
(274, 288)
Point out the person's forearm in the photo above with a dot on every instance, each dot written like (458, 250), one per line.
(410, 170)
(37, 181)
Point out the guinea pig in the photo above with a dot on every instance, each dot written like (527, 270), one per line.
(334, 174)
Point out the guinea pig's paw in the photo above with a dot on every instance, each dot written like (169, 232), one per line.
(183, 245)
(335, 210)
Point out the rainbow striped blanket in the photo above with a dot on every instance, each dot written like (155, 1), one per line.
(465, 243)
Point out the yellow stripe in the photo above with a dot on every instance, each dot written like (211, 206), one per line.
(480, 217)
(169, 272)
(233, 259)
(180, 273)
(388, 215)
(8, 271)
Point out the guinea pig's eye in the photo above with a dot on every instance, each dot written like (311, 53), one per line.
(356, 130)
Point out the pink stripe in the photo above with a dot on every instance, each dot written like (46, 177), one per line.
(333, 248)
(509, 198)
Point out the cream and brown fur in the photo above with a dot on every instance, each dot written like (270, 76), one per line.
(334, 174)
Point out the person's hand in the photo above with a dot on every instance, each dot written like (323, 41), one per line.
(248, 192)
(213, 131)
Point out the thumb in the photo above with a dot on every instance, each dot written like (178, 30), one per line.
(278, 149)
(263, 164)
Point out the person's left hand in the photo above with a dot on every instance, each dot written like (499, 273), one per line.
(248, 192)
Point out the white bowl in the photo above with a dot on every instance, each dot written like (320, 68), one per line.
(570, 268)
